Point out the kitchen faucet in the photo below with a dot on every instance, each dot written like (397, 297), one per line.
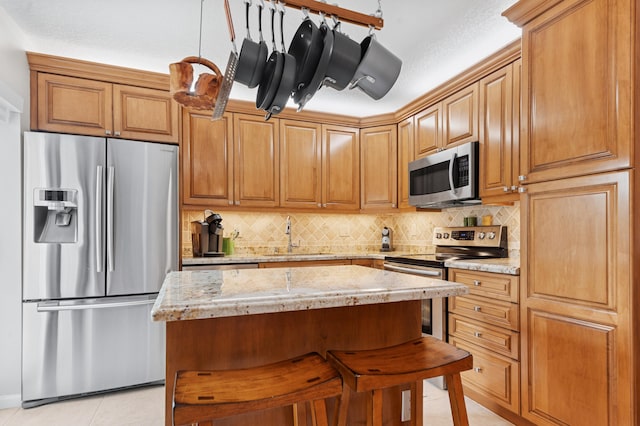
(287, 231)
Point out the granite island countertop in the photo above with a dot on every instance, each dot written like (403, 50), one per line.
(191, 295)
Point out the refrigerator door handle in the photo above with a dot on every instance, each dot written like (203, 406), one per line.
(98, 224)
(57, 307)
(110, 211)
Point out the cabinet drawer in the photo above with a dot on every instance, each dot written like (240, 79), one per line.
(494, 312)
(496, 339)
(493, 376)
(489, 284)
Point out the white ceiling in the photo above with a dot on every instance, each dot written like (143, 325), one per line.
(434, 39)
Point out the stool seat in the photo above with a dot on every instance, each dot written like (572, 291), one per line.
(201, 396)
(424, 358)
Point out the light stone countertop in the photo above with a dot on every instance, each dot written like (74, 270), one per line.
(505, 265)
(211, 294)
(279, 257)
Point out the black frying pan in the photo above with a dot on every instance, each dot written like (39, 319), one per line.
(287, 77)
(301, 97)
(272, 73)
(306, 48)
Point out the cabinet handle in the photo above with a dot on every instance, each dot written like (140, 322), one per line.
(505, 189)
(514, 188)
(107, 132)
(477, 308)
(477, 283)
(522, 189)
(116, 133)
(477, 334)
(477, 369)
(522, 178)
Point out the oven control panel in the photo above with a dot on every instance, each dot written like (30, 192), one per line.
(481, 236)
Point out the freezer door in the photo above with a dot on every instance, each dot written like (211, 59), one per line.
(142, 215)
(74, 347)
(63, 215)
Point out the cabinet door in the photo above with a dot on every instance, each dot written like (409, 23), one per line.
(496, 115)
(340, 168)
(378, 168)
(74, 105)
(577, 305)
(144, 114)
(257, 177)
(428, 125)
(460, 117)
(405, 155)
(300, 164)
(578, 65)
(207, 159)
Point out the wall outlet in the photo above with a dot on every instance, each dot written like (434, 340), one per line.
(405, 416)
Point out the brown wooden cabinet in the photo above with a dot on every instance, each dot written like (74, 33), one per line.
(256, 161)
(97, 108)
(487, 324)
(499, 135)
(207, 159)
(378, 168)
(340, 168)
(300, 164)
(405, 156)
(577, 99)
(450, 122)
(579, 308)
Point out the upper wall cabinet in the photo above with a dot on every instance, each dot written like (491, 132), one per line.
(577, 94)
(340, 168)
(451, 122)
(378, 168)
(97, 108)
(300, 164)
(256, 161)
(499, 134)
(207, 159)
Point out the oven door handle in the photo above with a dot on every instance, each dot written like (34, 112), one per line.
(412, 271)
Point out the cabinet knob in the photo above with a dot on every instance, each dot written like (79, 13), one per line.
(477, 283)
(319, 205)
(230, 202)
(477, 308)
(522, 189)
(505, 189)
(522, 178)
(477, 334)
(107, 132)
(237, 203)
(514, 188)
(324, 205)
(477, 369)
(116, 133)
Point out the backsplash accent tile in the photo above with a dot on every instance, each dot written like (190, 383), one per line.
(264, 233)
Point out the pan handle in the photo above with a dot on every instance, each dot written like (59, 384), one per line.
(248, 5)
(232, 33)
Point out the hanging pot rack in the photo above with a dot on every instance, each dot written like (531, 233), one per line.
(345, 15)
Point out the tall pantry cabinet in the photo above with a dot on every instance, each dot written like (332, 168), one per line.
(579, 255)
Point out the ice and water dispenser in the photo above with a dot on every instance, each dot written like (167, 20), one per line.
(55, 215)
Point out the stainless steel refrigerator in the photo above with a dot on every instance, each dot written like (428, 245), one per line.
(100, 234)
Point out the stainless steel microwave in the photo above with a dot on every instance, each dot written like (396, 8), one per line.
(447, 178)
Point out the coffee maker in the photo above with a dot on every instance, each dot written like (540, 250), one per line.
(206, 235)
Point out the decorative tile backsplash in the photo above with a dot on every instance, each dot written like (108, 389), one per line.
(262, 233)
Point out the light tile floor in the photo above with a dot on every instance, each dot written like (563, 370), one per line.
(144, 407)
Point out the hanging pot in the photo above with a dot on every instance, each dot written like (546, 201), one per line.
(272, 72)
(253, 55)
(306, 48)
(378, 70)
(287, 78)
(345, 58)
(204, 93)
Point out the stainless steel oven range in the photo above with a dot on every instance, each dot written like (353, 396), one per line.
(451, 243)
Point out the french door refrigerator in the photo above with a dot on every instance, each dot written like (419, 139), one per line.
(100, 234)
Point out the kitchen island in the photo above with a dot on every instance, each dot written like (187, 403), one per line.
(243, 318)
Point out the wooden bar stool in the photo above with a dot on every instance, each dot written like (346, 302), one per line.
(376, 369)
(203, 396)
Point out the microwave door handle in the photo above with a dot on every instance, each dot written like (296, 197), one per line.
(454, 155)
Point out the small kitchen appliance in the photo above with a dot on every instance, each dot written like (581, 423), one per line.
(206, 236)
(387, 239)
